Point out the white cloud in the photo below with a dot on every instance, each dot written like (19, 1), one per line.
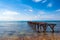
(41, 12)
(44, 1)
(8, 15)
(42, 15)
(37, 0)
(49, 5)
(45, 17)
(26, 9)
(58, 10)
(24, 14)
(30, 10)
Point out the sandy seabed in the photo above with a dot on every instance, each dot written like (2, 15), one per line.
(34, 36)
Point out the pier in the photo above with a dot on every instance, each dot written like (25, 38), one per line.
(38, 25)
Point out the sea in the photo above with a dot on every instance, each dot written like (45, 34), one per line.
(8, 28)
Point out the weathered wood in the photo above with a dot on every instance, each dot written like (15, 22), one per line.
(52, 26)
(43, 25)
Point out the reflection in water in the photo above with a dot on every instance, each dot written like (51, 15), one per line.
(36, 36)
(23, 31)
(53, 36)
(42, 36)
(47, 36)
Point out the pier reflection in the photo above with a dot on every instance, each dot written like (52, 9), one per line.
(34, 36)
(47, 36)
(42, 36)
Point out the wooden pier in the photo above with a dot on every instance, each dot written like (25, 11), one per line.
(37, 25)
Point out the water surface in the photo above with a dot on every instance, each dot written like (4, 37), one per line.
(8, 28)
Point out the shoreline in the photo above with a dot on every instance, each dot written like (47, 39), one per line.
(40, 36)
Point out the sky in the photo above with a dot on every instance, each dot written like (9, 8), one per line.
(17, 10)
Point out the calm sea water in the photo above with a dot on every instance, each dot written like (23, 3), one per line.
(20, 27)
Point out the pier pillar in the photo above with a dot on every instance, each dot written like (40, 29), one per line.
(52, 26)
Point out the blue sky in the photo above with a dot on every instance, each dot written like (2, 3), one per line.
(12, 10)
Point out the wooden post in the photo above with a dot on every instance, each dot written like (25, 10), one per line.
(37, 25)
(43, 25)
(52, 26)
(38, 28)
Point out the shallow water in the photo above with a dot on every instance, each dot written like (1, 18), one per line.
(21, 28)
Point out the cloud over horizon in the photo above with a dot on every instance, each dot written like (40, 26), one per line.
(16, 10)
(41, 15)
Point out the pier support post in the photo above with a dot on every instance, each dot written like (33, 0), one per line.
(38, 28)
(44, 27)
(52, 26)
